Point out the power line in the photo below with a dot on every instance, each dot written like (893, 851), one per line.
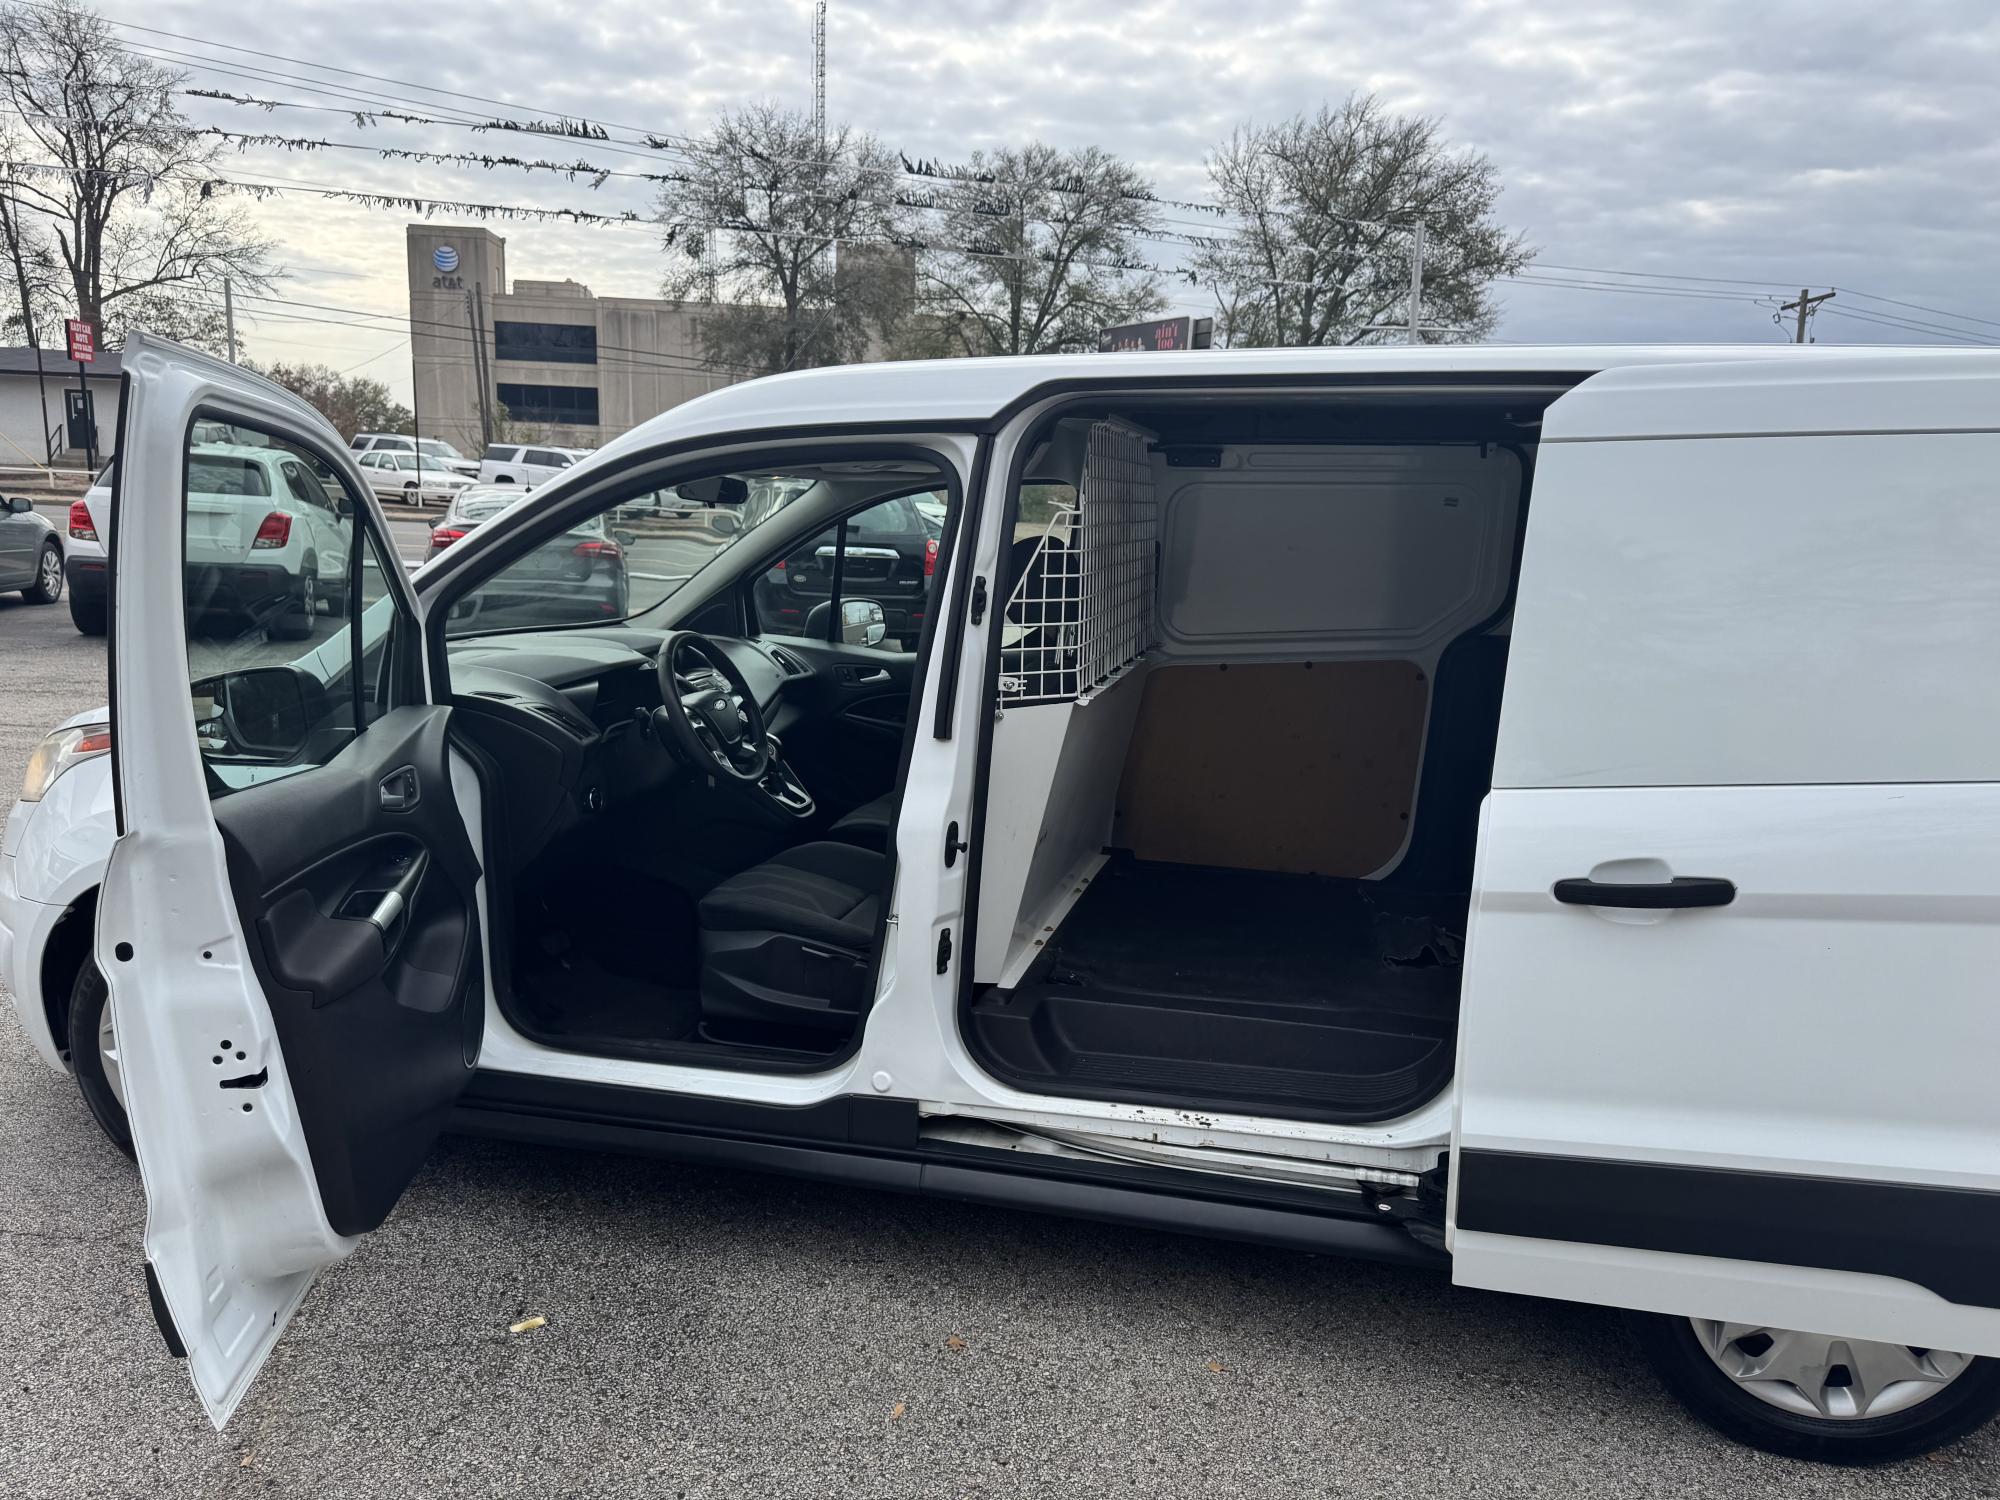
(1902, 325)
(1919, 307)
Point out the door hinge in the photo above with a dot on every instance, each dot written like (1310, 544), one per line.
(953, 845)
(978, 600)
(944, 951)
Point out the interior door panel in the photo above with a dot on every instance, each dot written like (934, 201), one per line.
(356, 882)
(849, 731)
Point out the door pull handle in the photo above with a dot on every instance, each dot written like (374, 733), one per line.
(400, 790)
(1679, 894)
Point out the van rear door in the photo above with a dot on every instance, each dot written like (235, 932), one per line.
(1729, 1024)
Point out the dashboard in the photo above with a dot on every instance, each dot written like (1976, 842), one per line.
(565, 716)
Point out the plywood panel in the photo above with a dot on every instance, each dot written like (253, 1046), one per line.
(1308, 768)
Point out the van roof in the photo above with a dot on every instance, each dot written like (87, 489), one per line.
(958, 392)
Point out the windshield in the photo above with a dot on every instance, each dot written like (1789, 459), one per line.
(655, 543)
(432, 448)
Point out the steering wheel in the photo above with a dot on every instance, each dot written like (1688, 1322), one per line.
(710, 711)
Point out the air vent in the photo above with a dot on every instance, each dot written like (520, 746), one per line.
(789, 664)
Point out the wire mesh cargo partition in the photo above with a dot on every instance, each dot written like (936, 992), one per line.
(1081, 608)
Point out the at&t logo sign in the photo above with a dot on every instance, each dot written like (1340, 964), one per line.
(445, 258)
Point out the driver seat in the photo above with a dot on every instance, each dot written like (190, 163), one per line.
(787, 943)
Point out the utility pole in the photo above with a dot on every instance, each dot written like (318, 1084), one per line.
(1805, 307)
(475, 318)
(229, 317)
(1417, 279)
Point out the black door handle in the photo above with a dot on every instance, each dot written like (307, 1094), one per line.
(1678, 894)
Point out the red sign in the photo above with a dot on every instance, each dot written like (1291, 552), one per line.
(82, 341)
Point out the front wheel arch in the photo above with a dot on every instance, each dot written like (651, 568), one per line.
(63, 957)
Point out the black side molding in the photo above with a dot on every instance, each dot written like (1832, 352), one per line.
(1678, 894)
(1940, 1238)
(161, 1316)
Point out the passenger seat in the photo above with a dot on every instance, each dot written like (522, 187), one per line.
(869, 825)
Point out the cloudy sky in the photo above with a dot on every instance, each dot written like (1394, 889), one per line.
(1711, 152)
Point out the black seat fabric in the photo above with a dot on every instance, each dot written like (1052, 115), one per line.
(869, 824)
(787, 943)
(827, 892)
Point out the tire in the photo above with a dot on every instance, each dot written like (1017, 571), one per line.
(95, 1067)
(48, 584)
(1932, 1412)
(302, 614)
(90, 615)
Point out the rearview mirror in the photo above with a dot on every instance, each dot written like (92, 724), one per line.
(719, 489)
(259, 713)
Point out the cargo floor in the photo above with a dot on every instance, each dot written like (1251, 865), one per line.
(1235, 990)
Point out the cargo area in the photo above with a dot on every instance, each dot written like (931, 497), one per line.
(1246, 704)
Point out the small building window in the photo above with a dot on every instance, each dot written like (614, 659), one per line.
(545, 343)
(564, 405)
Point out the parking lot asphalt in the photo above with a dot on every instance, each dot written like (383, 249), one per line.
(713, 1333)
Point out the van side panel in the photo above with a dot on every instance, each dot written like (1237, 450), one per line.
(1742, 611)
(1764, 658)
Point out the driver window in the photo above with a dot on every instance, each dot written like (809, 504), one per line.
(278, 573)
(887, 557)
(641, 549)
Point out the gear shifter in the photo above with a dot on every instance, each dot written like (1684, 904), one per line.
(782, 785)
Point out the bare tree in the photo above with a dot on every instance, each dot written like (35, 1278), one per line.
(789, 237)
(107, 200)
(1323, 252)
(1037, 250)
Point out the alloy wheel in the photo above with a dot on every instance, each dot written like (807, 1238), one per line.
(51, 572)
(107, 1049)
(1814, 1375)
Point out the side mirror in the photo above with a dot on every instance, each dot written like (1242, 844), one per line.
(433, 521)
(19, 505)
(624, 539)
(259, 713)
(725, 522)
(861, 622)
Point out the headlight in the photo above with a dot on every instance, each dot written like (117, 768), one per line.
(61, 750)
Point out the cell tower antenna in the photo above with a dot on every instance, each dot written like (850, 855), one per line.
(819, 73)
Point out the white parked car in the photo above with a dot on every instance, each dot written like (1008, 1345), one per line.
(266, 544)
(526, 463)
(1279, 831)
(410, 478)
(434, 450)
(86, 562)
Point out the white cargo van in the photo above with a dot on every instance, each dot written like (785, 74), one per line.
(1534, 813)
